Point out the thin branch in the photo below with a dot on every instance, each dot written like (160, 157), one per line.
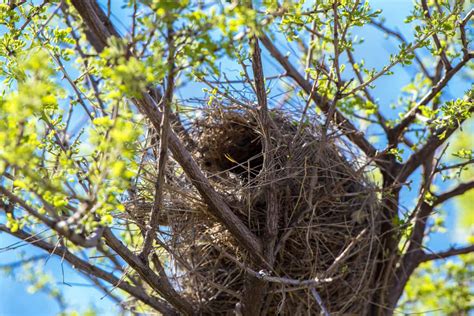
(444, 58)
(90, 269)
(335, 42)
(264, 275)
(272, 212)
(103, 288)
(462, 27)
(311, 45)
(163, 151)
(402, 39)
(433, 142)
(460, 189)
(19, 263)
(381, 120)
(61, 227)
(344, 254)
(259, 78)
(319, 300)
(410, 116)
(158, 282)
(460, 165)
(352, 132)
(218, 206)
(335, 66)
(395, 61)
(446, 254)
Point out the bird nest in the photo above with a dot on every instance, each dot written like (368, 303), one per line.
(326, 242)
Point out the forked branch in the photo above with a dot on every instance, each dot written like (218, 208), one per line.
(99, 30)
(90, 269)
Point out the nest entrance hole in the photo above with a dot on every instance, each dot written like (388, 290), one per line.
(231, 143)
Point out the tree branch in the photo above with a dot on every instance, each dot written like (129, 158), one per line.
(163, 151)
(91, 13)
(253, 298)
(410, 116)
(351, 131)
(460, 165)
(99, 28)
(462, 27)
(460, 189)
(446, 254)
(90, 269)
(444, 58)
(265, 275)
(395, 61)
(414, 254)
(402, 39)
(159, 283)
(61, 227)
(272, 214)
(433, 143)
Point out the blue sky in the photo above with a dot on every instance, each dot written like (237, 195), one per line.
(14, 297)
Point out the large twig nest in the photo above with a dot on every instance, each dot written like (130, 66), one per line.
(327, 226)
